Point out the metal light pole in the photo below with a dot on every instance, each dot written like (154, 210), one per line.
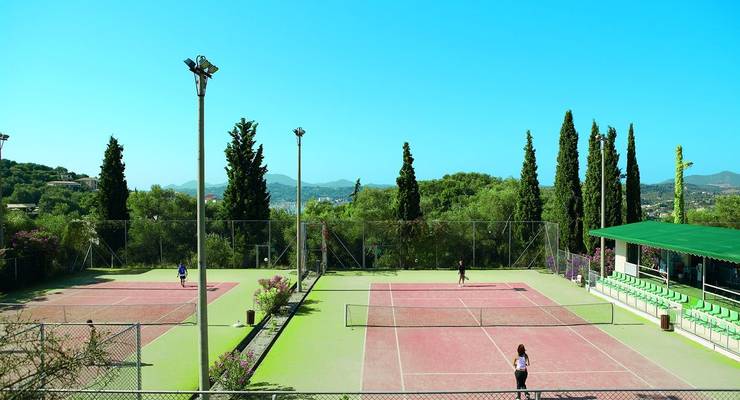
(202, 71)
(3, 138)
(299, 132)
(602, 140)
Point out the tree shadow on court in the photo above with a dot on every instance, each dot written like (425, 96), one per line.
(39, 291)
(308, 307)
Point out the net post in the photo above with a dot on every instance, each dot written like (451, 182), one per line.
(480, 316)
(611, 307)
(346, 312)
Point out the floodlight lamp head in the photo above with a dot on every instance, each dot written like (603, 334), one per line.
(204, 64)
(3, 137)
(212, 69)
(299, 132)
(190, 63)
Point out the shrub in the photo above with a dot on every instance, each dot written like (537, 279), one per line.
(608, 260)
(233, 370)
(272, 294)
(219, 251)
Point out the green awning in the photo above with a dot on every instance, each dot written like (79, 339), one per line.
(704, 241)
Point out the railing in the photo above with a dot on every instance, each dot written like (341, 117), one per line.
(536, 394)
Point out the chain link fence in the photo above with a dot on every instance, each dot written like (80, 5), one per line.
(110, 354)
(430, 244)
(535, 394)
(338, 245)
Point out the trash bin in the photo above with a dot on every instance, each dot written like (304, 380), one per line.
(665, 322)
(250, 317)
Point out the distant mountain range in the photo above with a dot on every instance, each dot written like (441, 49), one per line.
(277, 179)
(724, 179)
(282, 188)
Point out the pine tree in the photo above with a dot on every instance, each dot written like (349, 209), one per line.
(529, 203)
(613, 183)
(679, 209)
(408, 206)
(592, 190)
(568, 201)
(113, 194)
(632, 186)
(246, 196)
(356, 190)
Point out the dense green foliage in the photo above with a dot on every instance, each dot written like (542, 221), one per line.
(529, 203)
(25, 182)
(408, 199)
(592, 190)
(726, 213)
(632, 186)
(612, 180)
(679, 205)
(568, 200)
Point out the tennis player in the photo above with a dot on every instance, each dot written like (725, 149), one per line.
(520, 370)
(461, 272)
(182, 272)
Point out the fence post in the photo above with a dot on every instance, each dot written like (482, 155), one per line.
(125, 242)
(138, 360)
(42, 338)
(510, 223)
(537, 395)
(473, 244)
(233, 244)
(363, 244)
(269, 243)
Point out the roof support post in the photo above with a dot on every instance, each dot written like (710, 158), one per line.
(703, 278)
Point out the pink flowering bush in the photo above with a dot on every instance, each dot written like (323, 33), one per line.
(608, 260)
(272, 294)
(233, 370)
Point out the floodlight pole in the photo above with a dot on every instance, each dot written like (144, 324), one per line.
(202, 69)
(602, 253)
(3, 138)
(299, 132)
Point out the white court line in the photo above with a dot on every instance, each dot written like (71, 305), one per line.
(398, 345)
(509, 373)
(591, 343)
(364, 342)
(506, 359)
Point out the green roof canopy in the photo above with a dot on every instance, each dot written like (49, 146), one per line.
(707, 241)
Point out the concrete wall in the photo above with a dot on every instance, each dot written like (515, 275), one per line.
(620, 255)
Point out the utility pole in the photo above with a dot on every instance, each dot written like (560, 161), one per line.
(202, 71)
(299, 132)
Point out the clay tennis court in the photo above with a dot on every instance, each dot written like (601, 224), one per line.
(158, 306)
(563, 352)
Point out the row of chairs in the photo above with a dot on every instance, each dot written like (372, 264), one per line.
(658, 296)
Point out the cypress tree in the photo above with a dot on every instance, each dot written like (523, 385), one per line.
(259, 197)
(529, 203)
(679, 209)
(592, 190)
(113, 194)
(632, 186)
(613, 183)
(245, 197)
(568, 200)
(356, 190)
(408, 206)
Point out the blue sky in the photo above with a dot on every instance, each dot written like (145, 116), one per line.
(461, 81)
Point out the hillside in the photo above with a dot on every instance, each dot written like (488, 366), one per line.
(724, 179)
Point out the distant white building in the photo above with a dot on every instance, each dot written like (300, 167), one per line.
(64, 184)
(28, 208)
(90, 182)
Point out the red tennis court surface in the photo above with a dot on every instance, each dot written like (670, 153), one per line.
(480, 358)
(157, 305)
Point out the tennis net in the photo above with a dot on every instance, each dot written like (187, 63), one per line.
(146, 314)
(556, 315)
